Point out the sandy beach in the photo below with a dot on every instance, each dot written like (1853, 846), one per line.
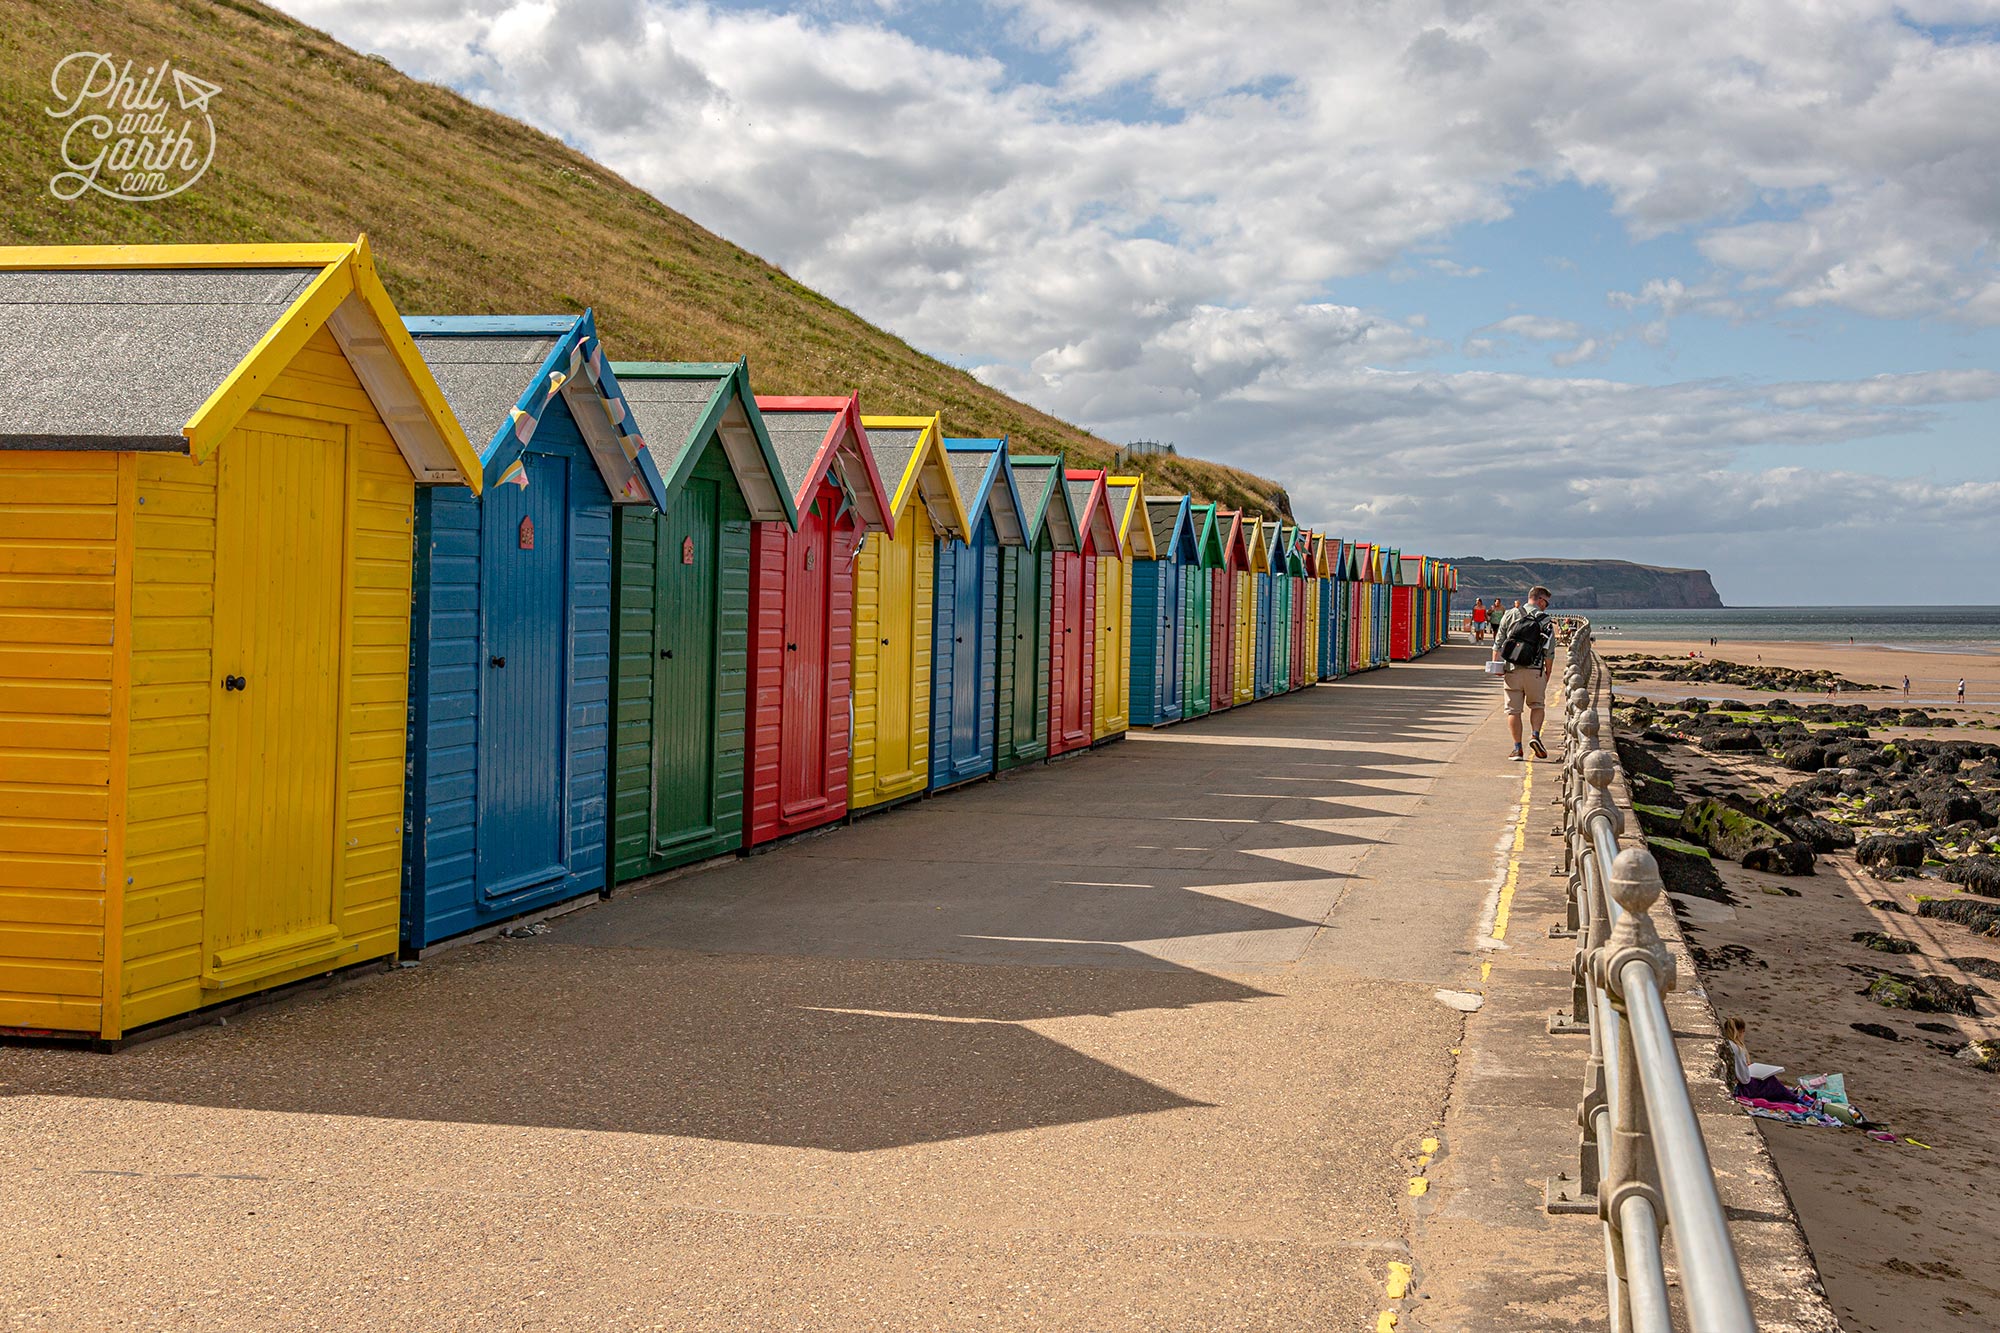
(1934, 675)
(1905, 1233)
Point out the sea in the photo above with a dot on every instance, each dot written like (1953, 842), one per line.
(1919, 628)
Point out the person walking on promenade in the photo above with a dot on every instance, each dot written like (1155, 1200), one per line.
(1525, 642)
(1479, 620)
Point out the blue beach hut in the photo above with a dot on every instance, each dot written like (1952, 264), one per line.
(1160, 613)
(965, 618)
(509, 740)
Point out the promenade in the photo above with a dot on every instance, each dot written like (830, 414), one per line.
(1150, 1038)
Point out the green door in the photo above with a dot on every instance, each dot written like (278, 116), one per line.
(1028, 649)
(685, 665)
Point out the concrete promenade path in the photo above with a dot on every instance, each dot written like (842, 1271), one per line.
(1146, 1039)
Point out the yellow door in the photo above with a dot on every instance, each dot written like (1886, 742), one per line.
(1116, 677)
(270, 895)
(1246, 620)
(895, 681)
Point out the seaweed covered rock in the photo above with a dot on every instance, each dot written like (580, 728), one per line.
(1950, 806)
(1732, 740)
(1981, 917)
(1880, 943)
(1804, 758)
(1822, 835)
(1657, 819)
(1686, 868)
(1887, 853)
(1726, 832)
(1980, 1054)
(1975, 874)
(1787, 858)
(1923, 995)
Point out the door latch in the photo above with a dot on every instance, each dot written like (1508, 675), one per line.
(496, 661)
(234, 683)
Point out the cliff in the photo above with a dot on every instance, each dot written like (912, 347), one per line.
(1585, 585)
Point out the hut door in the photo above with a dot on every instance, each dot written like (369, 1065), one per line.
(523, 674)
(1075, 723)
(271, 899)
(802, 719)
(1028, 648)
(967, 647)
(895, 741)
(685, 685)
(1172, 613)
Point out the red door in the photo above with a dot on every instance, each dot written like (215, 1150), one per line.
(1071, 720)
(803, 718)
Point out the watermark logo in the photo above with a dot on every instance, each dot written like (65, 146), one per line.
(126, 139)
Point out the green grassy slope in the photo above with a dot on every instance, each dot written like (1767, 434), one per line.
(472, 213)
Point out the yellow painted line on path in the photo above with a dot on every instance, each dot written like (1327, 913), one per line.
(1418, 1186)
(1504, 910)
(1398, 1285)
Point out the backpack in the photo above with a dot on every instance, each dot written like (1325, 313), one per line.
(1527, 643)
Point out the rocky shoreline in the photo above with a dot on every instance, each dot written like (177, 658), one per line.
(1743, 675)
(1780, 787)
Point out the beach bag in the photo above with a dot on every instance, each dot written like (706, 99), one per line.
(1527, 642)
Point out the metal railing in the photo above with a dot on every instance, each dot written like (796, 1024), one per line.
(1642, 1160)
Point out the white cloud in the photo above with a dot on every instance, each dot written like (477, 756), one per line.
(1166, 271)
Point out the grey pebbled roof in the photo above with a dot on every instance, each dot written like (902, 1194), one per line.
(668, 410)
(483, 378)
(1079, 497)
(1161, 513)
(1033, 480)
(122, 358)
(893, 450)
(796, 438)
(969, 471)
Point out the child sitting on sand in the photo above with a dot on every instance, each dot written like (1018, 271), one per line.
(1765, 1088)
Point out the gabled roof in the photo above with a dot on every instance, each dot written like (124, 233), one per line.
(682, 405)
(910, 451)
(499, 373)
(1171, 518)
(1284, 542)
(1207, 535)
(1044, 502)
(1235, 545)
(163, 348)
(1126, 495)
(1256, 551)
(815, 438)
(986, 483)
(1093, 510)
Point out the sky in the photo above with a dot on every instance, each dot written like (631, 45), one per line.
(1699, 284)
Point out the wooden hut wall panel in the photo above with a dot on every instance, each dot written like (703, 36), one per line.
(1152, 641)
(509, 773)
(1072, 652)
(1111, 706)
(1195, 585)
(1025, 623)
(894, 600)
(801, 593)
(678, 789)
(202, 849)
(966, 658)
(63, 592)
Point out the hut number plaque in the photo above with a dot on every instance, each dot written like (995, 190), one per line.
(527, 534)
(687, 550)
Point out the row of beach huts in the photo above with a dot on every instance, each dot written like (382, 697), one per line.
(327, 634)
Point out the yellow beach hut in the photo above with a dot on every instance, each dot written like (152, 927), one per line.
(209, 458)
(894, 598)
(1256, 562)
(1111, 707)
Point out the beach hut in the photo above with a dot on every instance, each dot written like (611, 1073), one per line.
(1405, 610)
(1313, 547)
(210, 458)
(1222, 609)
(1359, 562)
(1267, 571)
(1331, 665)
(1247, 549)
(1027, 609)
(801, 660)
(680, 597)
(1197, 668)
(965, 624)
(1073, 631)
(895, 600)
(1288, 667)
(1111, 706)
(509, 747)
(1160, 612)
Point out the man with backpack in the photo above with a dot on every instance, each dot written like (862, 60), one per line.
(1526, 644)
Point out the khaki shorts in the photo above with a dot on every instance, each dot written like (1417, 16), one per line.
(1524, 685)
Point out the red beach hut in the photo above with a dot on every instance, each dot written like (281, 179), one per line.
(1073, 622)
(1222, 609)
(802, 614)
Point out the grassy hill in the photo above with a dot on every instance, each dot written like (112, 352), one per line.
(472, 213)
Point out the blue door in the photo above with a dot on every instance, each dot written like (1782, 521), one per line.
(1171, 643)
(1266, 610)
(968, 639)
(523, 671)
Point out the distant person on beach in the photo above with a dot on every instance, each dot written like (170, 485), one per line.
(1906, 687)
(1961, 690)
(1525, 642)
(1479, 620)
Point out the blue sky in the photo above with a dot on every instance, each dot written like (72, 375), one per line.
(1692, 284)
